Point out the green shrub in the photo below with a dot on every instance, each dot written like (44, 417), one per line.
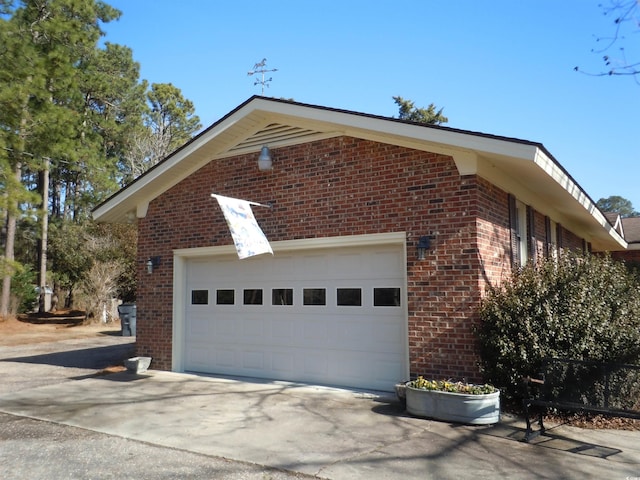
(23, 289)
(584, 307)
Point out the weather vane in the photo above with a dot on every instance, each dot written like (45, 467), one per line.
(261, 68)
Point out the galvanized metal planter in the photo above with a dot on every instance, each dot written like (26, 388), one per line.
(454, 407)
(137, 364)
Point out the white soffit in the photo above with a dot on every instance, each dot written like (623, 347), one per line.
(519, 167)
(540, 182)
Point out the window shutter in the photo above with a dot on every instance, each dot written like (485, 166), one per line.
(533, 250)
(513, 226)
(548, 241)
(559, 236)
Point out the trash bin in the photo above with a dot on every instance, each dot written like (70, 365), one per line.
(127, 313)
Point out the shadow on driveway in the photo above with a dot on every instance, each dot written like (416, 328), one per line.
(89, 358)
(512, 428)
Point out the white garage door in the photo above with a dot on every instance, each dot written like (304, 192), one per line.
(333, 316)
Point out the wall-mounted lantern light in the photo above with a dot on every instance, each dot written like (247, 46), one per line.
(264, 160)
(153, 262)
(424, 243)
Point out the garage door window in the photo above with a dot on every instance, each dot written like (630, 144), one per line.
(282, 296)
(199, 297)
(349, 297)
(253, 296)
(314, 296)
(386, 297)
(225, 297)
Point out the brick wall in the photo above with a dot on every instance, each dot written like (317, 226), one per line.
(630, 256)
(346, 186)
(570, 241)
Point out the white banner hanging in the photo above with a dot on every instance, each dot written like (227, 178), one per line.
(248, 237)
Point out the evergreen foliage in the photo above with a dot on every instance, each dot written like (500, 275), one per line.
(617, 204)
(583, 307)
(429, 116)
(72, 110)
(24, 296)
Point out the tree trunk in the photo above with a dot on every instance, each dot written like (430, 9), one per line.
(9, 254)
(44, 190)
(13, 210)
(56, 209)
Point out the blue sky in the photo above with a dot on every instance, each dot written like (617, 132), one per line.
(501, 67)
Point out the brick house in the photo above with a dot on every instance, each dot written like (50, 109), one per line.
(346, 299)
(629, 228)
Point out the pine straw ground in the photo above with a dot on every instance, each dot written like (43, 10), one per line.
(51, 327)
(592, 421)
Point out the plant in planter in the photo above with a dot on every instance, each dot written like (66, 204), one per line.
(453, 401)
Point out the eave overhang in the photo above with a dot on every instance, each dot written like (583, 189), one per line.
(522, 168)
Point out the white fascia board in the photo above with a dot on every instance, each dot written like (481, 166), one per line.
(126, 198)
(554, 171)
(449, 140)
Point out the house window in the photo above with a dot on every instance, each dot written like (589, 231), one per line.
(225, 297)
(349, 297)
(386, 297)
(518, 227)
(314, 296)
(253, 296)
(199, 297)
(282, 296)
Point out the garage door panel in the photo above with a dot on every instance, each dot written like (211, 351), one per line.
(311, 262)
(349, 363)
(384, 368)
(387, 336)
(387, 265)
(225, 357)
(199, 355)
(224, 327)
(356, 344)
(355, 335)
(253, 327)
(283, 330)
(282, 269)
(314, 333)
(198, 327)
(253, 360)
(316, 365)
(283, 363)
(341, 265)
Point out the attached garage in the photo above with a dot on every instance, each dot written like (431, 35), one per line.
(326, 314)
(353, 296)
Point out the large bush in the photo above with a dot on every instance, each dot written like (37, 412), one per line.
(577, 307)
(23, 293)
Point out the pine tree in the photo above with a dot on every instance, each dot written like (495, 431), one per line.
(429, 116)
(39, 92)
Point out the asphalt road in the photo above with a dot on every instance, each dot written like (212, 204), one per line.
(33, 449)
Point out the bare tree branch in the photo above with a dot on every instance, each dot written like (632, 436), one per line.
(626, 19)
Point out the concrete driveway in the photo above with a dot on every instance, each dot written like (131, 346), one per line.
(317, 431)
